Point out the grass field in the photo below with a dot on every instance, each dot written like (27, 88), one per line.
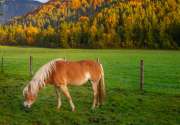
(159, 104)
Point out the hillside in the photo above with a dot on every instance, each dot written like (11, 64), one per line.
(55, 11)
(12, 8)
(98, 24)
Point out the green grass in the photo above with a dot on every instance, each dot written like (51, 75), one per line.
(159, 104)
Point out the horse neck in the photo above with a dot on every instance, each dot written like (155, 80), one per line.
(36, 86)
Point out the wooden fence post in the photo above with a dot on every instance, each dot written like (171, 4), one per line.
(142, 75)
(98, 60)
(30, 66)
(2, 64)
(64, 58)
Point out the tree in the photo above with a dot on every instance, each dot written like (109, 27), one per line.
(76, 4)
(63, 35)
(96, 3)
(31, 33)
(48, 38)
(133, 24)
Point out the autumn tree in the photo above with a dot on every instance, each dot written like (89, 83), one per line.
(31, 32)
(96, 24)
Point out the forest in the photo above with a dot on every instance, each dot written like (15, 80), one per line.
(153, 24)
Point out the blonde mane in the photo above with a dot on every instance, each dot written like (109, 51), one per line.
(38, 81)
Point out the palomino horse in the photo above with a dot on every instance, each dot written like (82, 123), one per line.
(61, 73)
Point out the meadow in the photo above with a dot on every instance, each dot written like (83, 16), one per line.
(159, 104)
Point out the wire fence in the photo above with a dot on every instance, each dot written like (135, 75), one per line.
(148, 76)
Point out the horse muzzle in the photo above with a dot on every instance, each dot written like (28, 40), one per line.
(26, 105)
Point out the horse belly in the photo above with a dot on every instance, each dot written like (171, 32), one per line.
(81, 80)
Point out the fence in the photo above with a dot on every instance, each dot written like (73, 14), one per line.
(129, 74)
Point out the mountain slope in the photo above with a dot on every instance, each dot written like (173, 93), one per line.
(97, 24)
(12, 8)
(56, 11)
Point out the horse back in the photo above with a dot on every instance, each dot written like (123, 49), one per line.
(76, 72)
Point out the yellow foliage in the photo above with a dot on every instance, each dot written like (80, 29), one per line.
(129, 20)
(93, 30)
(84, 3)
(75, 4)
(3, 35)
(83, 18)
(100, 15)
(96, 3)
(49, 31)
(135, 2)
(167, 20)
(112, 19)
(172, 4)
(19, 29)
(31, 31)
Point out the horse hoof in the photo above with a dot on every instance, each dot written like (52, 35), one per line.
(73, 110)
(57, 109)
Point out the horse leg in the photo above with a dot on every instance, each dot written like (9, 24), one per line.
(58, 97)
(66, 93)
(95, 94)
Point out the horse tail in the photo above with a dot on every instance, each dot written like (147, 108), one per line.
(101, 87)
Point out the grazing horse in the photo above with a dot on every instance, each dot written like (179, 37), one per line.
(62, 73)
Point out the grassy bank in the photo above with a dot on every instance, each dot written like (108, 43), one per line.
(125, 105)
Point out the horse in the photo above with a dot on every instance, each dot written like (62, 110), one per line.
(62, 73)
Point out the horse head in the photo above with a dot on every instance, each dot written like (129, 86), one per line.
(29, 95)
